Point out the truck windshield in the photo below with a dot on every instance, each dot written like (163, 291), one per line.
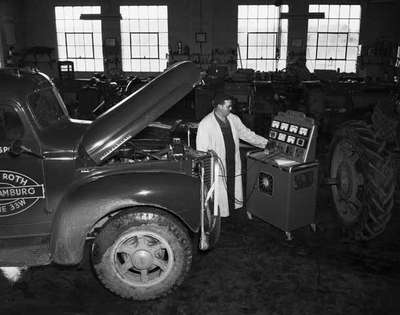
(46, 107)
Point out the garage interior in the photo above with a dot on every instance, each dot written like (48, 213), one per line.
(334, 63)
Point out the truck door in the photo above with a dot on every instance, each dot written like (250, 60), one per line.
(22, 193)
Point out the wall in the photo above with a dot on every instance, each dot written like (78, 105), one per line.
(10, 30)
(215, 17)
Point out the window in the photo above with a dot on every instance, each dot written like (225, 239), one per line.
(46, 107)
(79, 40)
(144, 38)
(262, 37)
(332, 42)
(11, 127)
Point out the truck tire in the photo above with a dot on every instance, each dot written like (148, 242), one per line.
(142, 254)
(363, 195)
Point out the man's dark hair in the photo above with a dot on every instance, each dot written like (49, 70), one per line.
(220, 97)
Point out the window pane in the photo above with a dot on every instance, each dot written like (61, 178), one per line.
(341, 53)
(252, 11)
(354, 25)
(135, 51)
(252, 40)
(88, 51)
(154, 65)
(59, 12)
(262, 12)
(125, 51)
(312, 39)
(143, 25)
(312, 25)
(333, 25)
(153, 52)
(163, 37)
(334, 12)
(153, 25)
(323, 25)
(60, 39)
(352, 53)
(80, 51)
(353, 39)
(342, 39)
(252, 25)
(153, 12)
(144, 39)
(262, 26)
(163, 25)
(355, 11)
(242, 39)
(311, 52)
(321, 53)
(344, 11)
(124, 10)
(162, 12)
(284, 25)
(126, 65)
(343, 25)
(322, 39)
(242, 11)
(332, 39)
(331, 52)
(242, 26)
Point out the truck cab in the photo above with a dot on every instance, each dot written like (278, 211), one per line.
(64, 182)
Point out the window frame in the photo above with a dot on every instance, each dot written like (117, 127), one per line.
(267, 46)
(339, 19)
(326, 46)
(158, 45)
(153, 19)
(262, 19)
(79, 33)
(68, 22)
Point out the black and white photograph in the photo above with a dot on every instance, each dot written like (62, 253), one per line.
(200, 157)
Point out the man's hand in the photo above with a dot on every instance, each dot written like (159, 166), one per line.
(270, 147)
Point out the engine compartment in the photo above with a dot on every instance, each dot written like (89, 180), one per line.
(144, 150)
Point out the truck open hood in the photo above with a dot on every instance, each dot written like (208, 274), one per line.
(130, 116)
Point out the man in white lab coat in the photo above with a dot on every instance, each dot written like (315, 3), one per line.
(220, 131)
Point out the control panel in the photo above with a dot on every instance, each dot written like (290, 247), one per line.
(294, 135)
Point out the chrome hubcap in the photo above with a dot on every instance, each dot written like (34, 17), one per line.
(143, 258)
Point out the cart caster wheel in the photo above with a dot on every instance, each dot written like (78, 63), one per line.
(249, 215)
(289, 236)
(313, 227)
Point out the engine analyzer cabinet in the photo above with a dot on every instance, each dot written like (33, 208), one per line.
(284, 196)
(282, 187)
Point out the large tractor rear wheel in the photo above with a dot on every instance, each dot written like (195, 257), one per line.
(364, 185)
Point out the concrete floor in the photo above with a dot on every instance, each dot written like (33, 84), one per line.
(253, 270)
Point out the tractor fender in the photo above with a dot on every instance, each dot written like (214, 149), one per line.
(89, 202)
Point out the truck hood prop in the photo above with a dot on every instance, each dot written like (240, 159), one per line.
(131, 115)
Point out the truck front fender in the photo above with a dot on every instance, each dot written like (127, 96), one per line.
(86, 204)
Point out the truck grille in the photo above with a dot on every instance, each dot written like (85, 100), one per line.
(207, 163)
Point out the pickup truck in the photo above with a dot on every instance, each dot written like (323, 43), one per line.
(67, 185)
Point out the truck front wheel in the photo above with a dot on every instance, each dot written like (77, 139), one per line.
(142, 254)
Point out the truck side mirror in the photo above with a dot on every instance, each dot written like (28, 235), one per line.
(17, 148)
